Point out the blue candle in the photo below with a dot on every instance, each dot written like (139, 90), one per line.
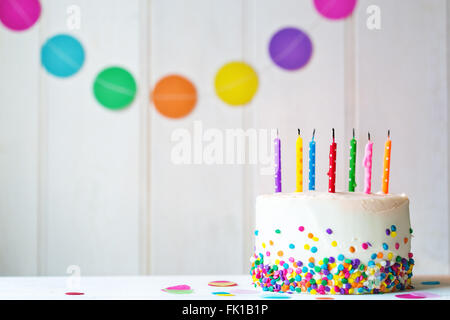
(312, 163)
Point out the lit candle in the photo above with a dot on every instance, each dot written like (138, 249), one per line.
(299, 155)
(332, 169)
(387, 163)
(277, 144)
(312, 163)
(352, 166)
(367, 163)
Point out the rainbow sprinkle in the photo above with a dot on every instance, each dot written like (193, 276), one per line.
(333, 276)
(383, 273)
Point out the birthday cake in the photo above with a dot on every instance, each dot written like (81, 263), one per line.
(332, 243)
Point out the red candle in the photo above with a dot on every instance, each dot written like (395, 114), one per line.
(332, 169)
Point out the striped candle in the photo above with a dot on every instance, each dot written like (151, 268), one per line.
(352, 166)
(277, 145)
(367, 163)
(312, 163)
(299, 158)
(332, 169)
(386, 163)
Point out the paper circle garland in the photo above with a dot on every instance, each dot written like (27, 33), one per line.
(19, 15)
(114, 88)
(335, 9)
(174, 96)
(62, 55)
(236, 83)
(290, 48)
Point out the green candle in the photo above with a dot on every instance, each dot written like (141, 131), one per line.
(351, 172)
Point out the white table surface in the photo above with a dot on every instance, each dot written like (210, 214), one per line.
(149, 287)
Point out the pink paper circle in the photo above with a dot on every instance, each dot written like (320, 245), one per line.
(335, 9)
(19, 15)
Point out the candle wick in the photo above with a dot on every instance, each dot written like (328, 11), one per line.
(353, 133)
(277, 132)
(368, 134)
(389, 133)
(298, 131)
(314, 133)
(333, 134)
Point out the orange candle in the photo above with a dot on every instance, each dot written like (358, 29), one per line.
(387, 163)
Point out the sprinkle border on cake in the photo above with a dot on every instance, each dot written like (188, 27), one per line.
(334, 275)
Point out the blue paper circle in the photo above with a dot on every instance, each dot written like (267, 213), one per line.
(62, 55)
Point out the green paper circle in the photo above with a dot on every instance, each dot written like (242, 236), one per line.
(114, 88)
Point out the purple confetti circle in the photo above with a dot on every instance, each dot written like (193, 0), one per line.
(290, 48)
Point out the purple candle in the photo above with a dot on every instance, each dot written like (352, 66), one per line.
(277, 142)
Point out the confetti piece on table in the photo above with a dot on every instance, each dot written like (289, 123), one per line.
(74, 293)
(179, 287)
(417, 295)
(430, 283)
(324, 298)
(276, 296)
(222, 294)
(243, 291)
(222, 283)
(409, 296)
(427, 294)
(178, 291)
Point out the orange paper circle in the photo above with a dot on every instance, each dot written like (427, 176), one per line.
(221, 283)
(174, 96)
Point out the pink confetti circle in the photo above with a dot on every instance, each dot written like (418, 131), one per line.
(179, 287)
(409, 296)
(244, 291)
(335, 9)
(74, 293)
(19, 15)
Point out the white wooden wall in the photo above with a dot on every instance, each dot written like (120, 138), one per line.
(83, 185)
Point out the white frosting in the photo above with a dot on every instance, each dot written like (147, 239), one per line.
(354, 218)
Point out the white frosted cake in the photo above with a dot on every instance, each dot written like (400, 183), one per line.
(332, 243)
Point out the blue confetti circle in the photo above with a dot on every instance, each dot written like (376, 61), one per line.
(62, 55)
(430, 283)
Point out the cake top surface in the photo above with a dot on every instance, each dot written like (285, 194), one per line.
(372, 202)
(337, 195)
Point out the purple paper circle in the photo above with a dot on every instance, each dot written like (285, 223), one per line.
(19, 15)
(290, 48)
(335, 9)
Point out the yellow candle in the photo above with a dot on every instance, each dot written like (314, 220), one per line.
(387, 164)
(299, 155)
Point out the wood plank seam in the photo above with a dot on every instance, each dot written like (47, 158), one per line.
(41, 241)
(145, 139)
